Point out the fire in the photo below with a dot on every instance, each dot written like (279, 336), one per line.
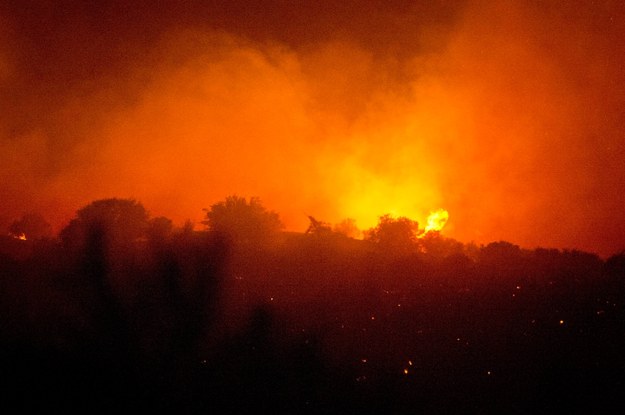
(20, 236)
(381, 198)
(436, 220)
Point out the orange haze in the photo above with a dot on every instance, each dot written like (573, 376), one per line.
(508, 114)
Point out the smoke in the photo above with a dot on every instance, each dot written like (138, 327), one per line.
(507, 114)
(543, 90)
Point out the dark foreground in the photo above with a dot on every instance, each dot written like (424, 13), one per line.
(309, 324)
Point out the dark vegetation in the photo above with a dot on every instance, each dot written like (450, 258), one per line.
(128, 313)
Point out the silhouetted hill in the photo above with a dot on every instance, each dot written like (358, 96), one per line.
(309, 323)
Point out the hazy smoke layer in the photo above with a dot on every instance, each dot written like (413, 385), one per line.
(509, 114)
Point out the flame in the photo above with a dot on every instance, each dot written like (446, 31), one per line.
(436, 220)
(367, 196)
(20, 236)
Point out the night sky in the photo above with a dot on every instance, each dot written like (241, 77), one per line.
(508, 114)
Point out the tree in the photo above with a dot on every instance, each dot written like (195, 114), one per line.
(160, 229)
(118, 221)
(242, 221)
(348, 228)
(31, 226)
(436, 245)
(398, 235)
(317, 227)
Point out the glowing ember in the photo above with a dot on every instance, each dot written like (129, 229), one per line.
(19, 236)
(436, 220)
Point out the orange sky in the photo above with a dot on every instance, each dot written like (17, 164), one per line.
(509, 114)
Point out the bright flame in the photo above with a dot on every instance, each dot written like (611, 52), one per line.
(372, 182)
(436, 220)
(20, 236)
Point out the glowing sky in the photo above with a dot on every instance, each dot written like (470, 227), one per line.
(509, 114)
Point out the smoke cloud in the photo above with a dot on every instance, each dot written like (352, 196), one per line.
(508, 114)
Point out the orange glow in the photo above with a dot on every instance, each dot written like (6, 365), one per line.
(484, 112)
(436, 220)
(20, 236)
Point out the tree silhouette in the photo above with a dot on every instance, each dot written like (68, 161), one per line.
(242, 221)
(434, 244)
(348, 228)
(31, 226)
(160, 228)
(318, 227)
(398, 235)
(120, 221)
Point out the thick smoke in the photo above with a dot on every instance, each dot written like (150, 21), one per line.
(508, 114)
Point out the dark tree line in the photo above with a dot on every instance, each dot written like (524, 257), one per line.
(127, 312)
